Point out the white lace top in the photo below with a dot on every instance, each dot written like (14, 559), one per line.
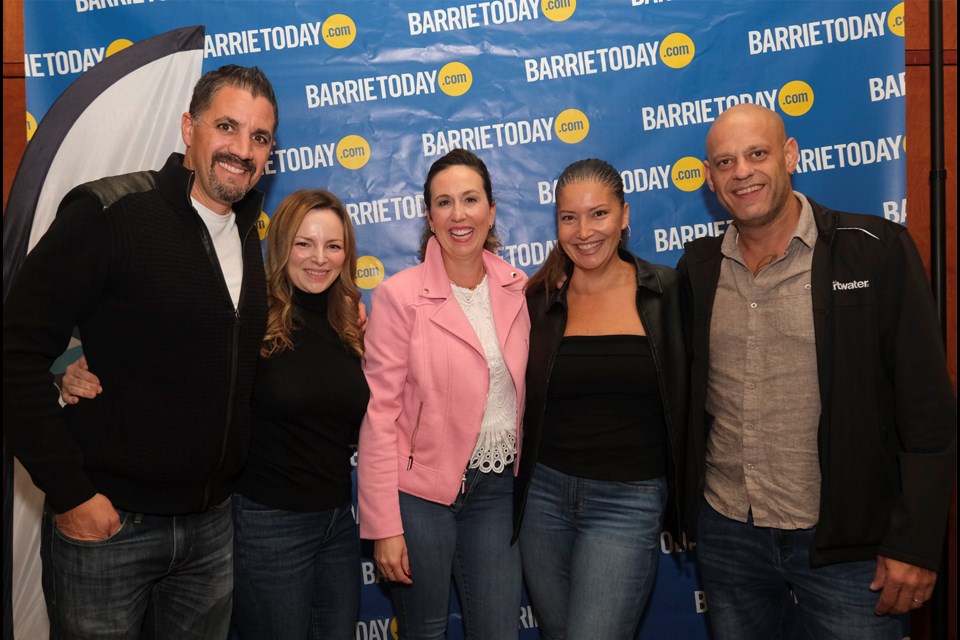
(497, 444)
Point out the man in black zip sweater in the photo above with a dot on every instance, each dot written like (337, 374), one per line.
(162, 273)
(822, 418)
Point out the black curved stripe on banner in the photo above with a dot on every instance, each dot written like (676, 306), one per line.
(57, 123)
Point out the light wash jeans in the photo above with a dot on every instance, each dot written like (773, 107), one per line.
(590, 550)
(469, 540)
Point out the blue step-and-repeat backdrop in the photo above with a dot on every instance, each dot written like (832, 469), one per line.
(372, 92)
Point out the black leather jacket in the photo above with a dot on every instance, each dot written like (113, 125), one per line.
(660, 303)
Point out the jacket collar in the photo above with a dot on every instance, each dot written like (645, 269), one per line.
(176, 181)
(647, 278)
(825, 219)
(706, 248)
(506, 296)
(436, 283)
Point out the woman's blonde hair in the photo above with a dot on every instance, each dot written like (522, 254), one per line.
(342, 308)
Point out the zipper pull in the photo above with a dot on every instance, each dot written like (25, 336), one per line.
(463, 484)
(410, 462)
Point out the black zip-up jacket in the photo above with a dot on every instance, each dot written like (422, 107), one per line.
(887, 431)
(130, 263)
(660, 303)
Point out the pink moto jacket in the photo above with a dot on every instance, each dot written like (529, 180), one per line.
(428, 382)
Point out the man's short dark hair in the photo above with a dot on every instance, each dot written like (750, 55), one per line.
(249, 79)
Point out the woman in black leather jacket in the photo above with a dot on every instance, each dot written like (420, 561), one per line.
(604, 426)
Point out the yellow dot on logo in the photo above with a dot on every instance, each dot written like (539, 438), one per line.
(262, 223)
(687, 173)
(353, 152)
(558, 10)
(31, 126)
(118, 45)
(370, 272)
(676, 50)
(394, 633)
(795, 98)
(339, 31)
(572, 126)
(455, 78)
(895, 20)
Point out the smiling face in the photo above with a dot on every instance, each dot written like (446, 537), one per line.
(318, 252)
(590, 221)
(459, 212)
(228, 146)
(749, 162)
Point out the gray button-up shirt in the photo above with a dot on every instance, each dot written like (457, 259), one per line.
(762, 388)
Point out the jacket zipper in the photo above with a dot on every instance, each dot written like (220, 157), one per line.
(413, 438)
(233, 355)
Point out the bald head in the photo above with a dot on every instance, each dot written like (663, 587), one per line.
(747, 117)
(748, 165)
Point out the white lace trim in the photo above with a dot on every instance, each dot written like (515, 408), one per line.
(497, 442)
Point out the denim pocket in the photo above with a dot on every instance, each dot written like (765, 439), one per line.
(124, 517)
(652, 485)
(247, 507)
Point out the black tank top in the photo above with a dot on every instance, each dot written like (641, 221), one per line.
(603, 418)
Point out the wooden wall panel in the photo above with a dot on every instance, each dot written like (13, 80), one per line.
(14, 100)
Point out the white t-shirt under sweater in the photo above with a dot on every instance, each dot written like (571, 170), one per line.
(226, 241)
(497, 443)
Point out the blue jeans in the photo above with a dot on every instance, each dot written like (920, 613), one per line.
(590, 550)
(759, 584)
(157, 577)
(469, 540)
(296, 575)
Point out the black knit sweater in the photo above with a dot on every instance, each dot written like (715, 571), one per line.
(130, 263)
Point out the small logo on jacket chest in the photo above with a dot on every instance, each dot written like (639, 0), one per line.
(853, 284)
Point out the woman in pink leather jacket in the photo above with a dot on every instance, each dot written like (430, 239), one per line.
(446, 353)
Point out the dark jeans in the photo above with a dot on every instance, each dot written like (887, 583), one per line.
(469, 540)
(296, 574)
(759, 585)
(157, 577)
(590, 550)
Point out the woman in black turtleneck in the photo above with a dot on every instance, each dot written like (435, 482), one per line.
(296, 551)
